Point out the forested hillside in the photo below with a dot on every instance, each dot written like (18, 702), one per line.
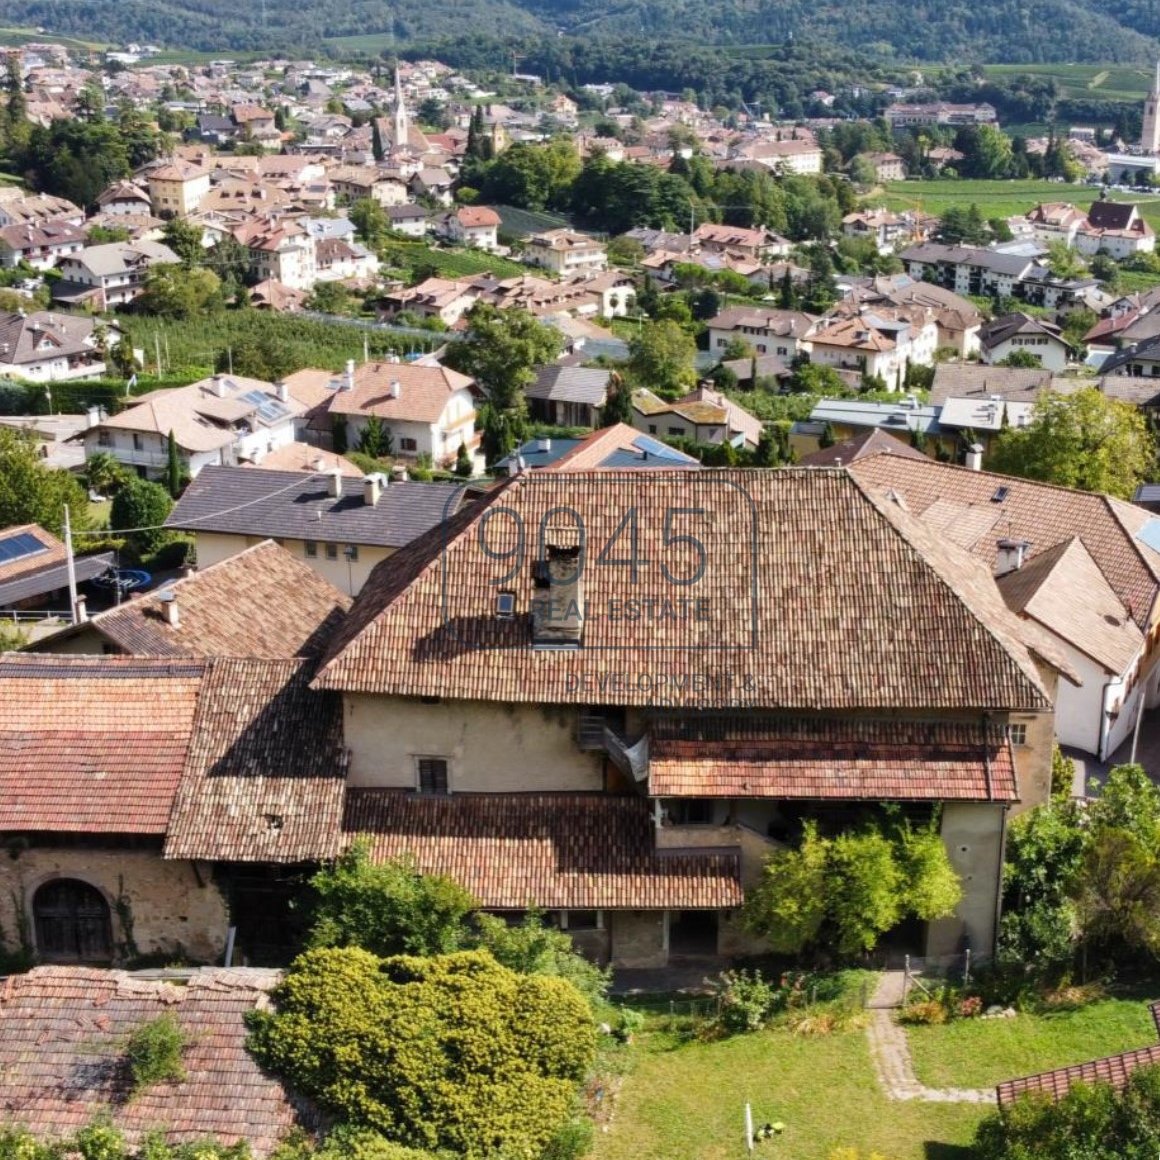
(924, 30)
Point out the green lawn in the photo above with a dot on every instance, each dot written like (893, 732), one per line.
(983, 1052)
(1000, 198)
(686, 1101)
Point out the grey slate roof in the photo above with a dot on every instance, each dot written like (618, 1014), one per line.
(286, 504)
(570, 384)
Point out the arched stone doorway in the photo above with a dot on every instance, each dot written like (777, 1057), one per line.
(73, 923)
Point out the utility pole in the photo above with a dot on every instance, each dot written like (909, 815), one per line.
(72, 568)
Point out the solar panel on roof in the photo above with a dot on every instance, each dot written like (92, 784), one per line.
(18, 546)
(269, 410)
(657, 448)
(1150, 534)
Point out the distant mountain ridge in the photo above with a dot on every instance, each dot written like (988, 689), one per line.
(1016, 31)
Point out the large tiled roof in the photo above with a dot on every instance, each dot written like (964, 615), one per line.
(872, 442)
(404, 392)
(201, 414)
(621, 446)
(63, 1032)
(1039, 513)
(964, 380)
(580, 851)
(261, 603)
(818, 758)
(93, 744)
(571, 384)
(264, 777)
(287, 504)
(1112, 1069)
(816, 594)
(1065, 591)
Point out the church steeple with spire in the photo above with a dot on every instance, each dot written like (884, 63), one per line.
(1150, 136)
(403, 122)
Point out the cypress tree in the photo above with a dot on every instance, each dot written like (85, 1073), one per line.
(173, 470)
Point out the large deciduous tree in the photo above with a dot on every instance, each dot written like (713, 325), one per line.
(1084, 440)
(661, 358)
(501, 352)
(31, 493)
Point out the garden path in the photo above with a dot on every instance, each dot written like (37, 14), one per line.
(890, 1052)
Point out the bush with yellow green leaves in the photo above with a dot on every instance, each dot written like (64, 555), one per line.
(450, 1052)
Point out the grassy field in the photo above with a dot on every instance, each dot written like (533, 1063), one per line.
(1000, 198)
(453, 263)
(982, 1052)
(15, 37)
(1110, 82)
(686, 1100)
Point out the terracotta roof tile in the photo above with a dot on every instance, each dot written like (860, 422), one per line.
(264, 778)
(423, 392)
(260, 603)
(901, 620)
(51, 552)
(816, 759)
(62, 1041)
(83, 746)
(579, 851)
(1064, 590)
(1040, 513)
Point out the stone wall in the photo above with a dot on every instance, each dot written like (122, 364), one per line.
(638, 938)
(170, 911)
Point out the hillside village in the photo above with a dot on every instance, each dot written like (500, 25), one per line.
(576, 547)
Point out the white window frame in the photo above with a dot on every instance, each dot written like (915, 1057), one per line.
(1017, 732)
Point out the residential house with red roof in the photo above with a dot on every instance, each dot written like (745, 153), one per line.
(426, 410)
(473, 225)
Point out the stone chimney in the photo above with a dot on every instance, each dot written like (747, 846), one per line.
(558, 604)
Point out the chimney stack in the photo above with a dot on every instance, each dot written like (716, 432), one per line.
(169, 608)
(335, 485)
(92, 417)
(348, 376)
(283, 392)
(219, 386)
(975, 457)
(558, 604)
(1012, 553)
(372, 489)
(396, 389)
